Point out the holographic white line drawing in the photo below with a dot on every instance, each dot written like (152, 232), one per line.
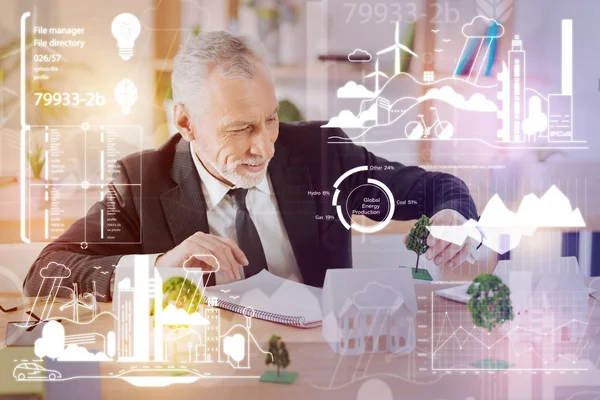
(396, 47)
(372, 182)
(500, 10)
(125, 28)
(417, 129)
(472, 32)
(530, 119)
(126, 95)
(365, 56)
(76, 166)
(57, 277)
(352, 90)
(56, 345)
(376, 74)
(503, 229)
(34, 372)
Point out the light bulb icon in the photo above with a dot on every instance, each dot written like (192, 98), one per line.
(126, 95)
(126, 29)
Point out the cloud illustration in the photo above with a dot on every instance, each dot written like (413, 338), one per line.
(187, 264)
(352, 90)
(55, 270)
(370, 114)
(74, 352)
(346, 119)
(479, 27)
(172, 315)
(376, 295)
(52, 342)
(359, 55)
(477, 102)
(52, 345)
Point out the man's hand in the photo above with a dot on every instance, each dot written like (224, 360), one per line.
(444, 253)
(198, 250)
(447, 254)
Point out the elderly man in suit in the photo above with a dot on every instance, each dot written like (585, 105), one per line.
(232, 191)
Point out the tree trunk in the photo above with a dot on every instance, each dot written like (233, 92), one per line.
(417, 266)
(278, 368)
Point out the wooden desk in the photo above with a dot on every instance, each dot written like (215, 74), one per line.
(325, 375)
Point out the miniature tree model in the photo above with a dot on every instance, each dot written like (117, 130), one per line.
(417, 238)
(279, 354)
(490, 302)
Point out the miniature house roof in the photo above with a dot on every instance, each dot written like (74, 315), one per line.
(368, 290)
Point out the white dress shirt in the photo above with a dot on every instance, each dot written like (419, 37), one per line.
(264, 211)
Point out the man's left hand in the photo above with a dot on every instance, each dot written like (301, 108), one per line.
(447, 254)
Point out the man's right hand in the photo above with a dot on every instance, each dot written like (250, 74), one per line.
(198, 250)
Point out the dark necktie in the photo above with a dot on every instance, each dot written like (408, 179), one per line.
(247, 235)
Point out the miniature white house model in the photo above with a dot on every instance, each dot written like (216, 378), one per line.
(369, 311)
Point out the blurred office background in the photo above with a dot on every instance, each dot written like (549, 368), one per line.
(307, 43)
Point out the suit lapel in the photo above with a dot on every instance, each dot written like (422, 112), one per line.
(291, 184)
(184, 205)
(185, 208)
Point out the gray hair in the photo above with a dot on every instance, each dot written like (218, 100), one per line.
(234, 56)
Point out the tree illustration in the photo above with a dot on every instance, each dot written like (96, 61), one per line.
(490, 302)
(417, 238)
(279, 355)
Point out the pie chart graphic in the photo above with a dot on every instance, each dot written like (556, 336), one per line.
(381, 205)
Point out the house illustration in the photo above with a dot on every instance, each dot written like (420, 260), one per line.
(370, 311)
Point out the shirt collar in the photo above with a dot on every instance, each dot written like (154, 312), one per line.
(215, 188)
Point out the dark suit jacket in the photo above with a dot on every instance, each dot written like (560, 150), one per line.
(169, 206)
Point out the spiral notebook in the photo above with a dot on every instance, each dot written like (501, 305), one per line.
(271, 298)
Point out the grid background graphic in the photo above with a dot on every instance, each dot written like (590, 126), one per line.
(549, 332)
(71, 184)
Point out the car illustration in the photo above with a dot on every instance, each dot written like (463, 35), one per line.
(33, 371)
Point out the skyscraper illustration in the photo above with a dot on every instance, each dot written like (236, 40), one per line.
(560, 106)
(517, 100)
(141, 310)
(212, 335)
(125, 339)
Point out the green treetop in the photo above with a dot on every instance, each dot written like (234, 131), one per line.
(490, 302)
(277, 353)
(182, 292)
(417, 238)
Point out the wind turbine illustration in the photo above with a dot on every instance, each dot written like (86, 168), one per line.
(93, 296)
(75, 303)
(376, 74)
(396, 48)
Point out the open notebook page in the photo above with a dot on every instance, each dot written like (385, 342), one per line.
(270, 293)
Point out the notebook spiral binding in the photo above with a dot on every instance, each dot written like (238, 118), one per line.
(267, 316)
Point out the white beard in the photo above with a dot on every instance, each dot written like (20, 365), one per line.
(248, 181)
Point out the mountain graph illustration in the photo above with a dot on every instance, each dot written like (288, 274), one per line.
(503, 229)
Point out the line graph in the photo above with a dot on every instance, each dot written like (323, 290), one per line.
(541, 337)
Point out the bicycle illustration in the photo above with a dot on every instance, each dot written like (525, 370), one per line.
(416, 130)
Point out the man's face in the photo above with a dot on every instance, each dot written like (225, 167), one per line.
(236, 135)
